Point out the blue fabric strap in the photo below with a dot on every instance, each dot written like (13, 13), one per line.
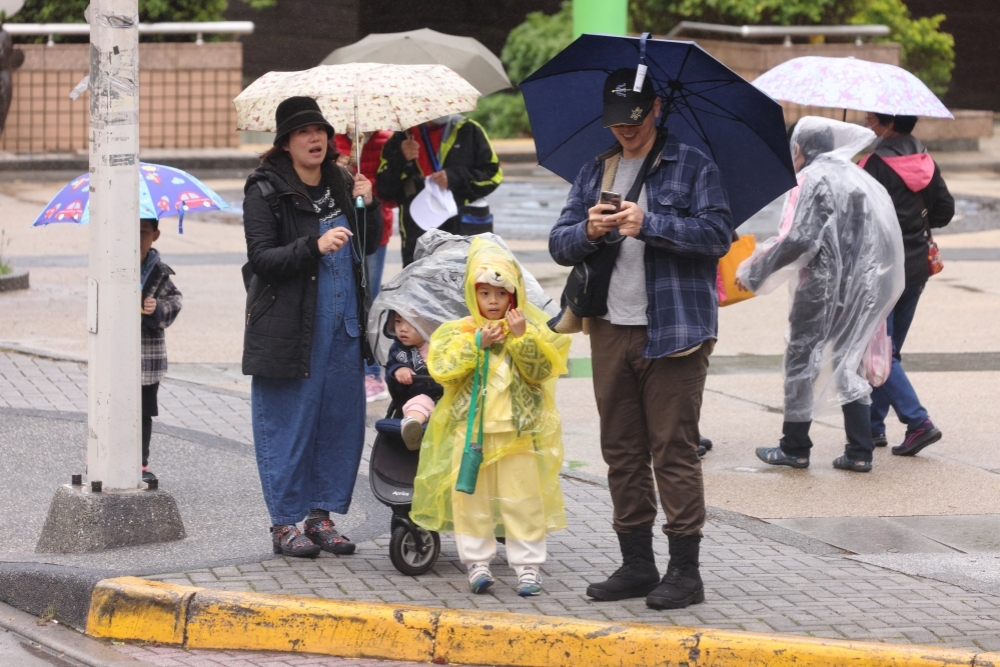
(431, 153)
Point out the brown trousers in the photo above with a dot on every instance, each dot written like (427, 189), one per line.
(649, 410)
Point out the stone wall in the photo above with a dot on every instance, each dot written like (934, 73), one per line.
(185, 97)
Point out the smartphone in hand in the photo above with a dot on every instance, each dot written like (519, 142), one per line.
(612, 199)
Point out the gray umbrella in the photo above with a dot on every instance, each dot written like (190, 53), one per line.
(465, 55)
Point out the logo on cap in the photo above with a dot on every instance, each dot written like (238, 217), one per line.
(620, 90)
(637, 113)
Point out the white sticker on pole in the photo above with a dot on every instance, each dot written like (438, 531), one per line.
(92, 305)
(640, 78)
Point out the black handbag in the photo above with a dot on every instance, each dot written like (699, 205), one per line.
(586, 291)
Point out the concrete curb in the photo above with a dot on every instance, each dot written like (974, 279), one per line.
(129, 608)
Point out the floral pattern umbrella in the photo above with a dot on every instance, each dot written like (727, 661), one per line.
(849, 83)
(381, 97)
(163, 191)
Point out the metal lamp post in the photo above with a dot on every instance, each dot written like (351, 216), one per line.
(112, 510)
(114, 429)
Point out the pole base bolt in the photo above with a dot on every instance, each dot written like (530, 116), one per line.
(77, 480)
(96, 487)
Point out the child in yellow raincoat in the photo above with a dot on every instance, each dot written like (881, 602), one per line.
(517, 495)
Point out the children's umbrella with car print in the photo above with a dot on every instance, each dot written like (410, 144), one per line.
(163, 191)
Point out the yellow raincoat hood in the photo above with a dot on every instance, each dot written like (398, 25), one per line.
(490, 263)
(521, 421)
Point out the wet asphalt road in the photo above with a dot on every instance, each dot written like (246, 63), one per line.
(16, 651)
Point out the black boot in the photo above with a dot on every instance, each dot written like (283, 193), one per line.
(681, 585)
(638, 574)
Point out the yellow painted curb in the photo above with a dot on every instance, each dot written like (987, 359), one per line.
(132, 608)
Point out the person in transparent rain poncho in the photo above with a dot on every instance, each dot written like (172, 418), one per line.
(839, 243)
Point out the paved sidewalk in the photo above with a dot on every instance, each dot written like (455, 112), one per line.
(754, 583)
(37, 383)
(758, 577)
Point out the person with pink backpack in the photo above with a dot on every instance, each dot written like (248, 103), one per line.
(922, 201)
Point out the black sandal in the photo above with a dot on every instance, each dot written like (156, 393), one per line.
(844, 463)
(774, 456)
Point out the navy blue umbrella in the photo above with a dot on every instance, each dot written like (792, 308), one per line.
(706, 105)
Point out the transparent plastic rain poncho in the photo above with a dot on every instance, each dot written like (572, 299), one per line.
(430, 291)
(839, 241)
(518, 493)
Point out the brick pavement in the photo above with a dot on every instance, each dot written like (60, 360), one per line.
(38, 383)
(754, 582)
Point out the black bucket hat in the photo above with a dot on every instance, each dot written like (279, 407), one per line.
(622, 105)
(296, 112)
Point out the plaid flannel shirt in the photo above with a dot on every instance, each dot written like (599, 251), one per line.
(687, 227)
(154, 342)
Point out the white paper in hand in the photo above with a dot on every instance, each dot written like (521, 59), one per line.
(432, 206)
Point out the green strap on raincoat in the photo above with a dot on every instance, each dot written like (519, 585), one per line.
(472, 455)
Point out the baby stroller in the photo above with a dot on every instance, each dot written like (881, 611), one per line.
(427, 293)
(412, 549)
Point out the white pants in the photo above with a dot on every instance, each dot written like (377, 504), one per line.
(481, 550)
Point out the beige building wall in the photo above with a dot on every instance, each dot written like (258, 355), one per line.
(185, 97)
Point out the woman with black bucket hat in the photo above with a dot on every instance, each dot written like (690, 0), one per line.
(309, 225)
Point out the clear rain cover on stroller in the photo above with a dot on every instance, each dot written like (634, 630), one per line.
(840, 235)
(431, 290)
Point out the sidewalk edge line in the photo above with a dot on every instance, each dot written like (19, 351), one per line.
(130, 608)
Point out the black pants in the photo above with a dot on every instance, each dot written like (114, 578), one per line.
(149, 410)
(795, 435)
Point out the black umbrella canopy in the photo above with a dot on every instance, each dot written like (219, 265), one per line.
(706, 105)
(465, 55)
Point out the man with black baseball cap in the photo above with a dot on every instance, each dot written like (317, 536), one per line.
(622, 105)
(650, 350)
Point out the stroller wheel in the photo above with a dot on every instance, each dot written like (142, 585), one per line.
(409, 557)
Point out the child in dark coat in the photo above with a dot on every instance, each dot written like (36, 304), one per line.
(408, 358)
(161, 302)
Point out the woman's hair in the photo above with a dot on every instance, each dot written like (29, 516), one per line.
(901, 124)
(274, 152)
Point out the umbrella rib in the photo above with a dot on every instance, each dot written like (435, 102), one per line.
(565, 141)
(721, 112)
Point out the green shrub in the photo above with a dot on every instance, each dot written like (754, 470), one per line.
(529, 46)
(150, 11)
(926, 51)
(503, 115)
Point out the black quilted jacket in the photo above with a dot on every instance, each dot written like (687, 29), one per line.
(283, 266)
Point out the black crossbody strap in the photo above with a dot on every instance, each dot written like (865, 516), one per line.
(653, 154)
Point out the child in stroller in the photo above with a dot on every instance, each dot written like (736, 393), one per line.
(406, 375)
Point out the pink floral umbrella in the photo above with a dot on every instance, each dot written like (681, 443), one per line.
(849, 83)
(360, 97)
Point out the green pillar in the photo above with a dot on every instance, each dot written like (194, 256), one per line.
(609, 17)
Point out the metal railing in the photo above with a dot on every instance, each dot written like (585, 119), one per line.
(190, 28)
(786, 31)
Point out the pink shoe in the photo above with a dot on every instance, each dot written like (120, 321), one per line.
(375, 389)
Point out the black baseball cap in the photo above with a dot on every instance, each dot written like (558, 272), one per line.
(622, 105)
